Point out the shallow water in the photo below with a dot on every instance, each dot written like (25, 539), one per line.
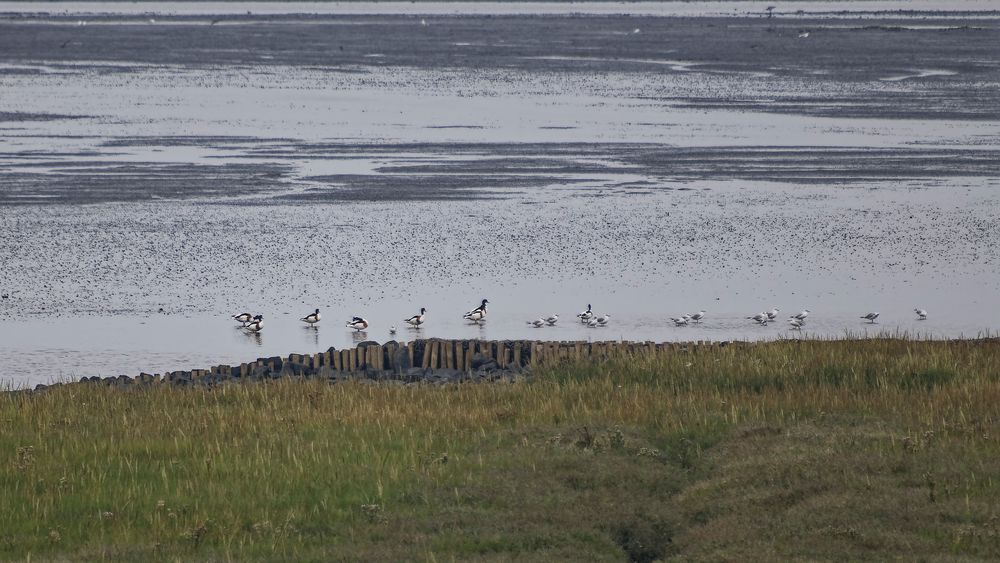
(156, 181)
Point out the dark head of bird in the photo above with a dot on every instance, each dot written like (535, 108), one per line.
(317, 312)
(422, 310)
(485, 301)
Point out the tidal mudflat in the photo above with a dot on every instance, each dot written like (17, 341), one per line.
(163, 170)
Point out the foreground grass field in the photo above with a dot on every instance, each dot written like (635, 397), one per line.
(872, 449)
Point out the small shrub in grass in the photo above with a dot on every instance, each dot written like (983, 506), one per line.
(927, 379)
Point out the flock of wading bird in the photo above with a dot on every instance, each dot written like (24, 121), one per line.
(255, 323)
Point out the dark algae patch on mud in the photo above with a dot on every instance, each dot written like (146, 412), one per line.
(867, 450)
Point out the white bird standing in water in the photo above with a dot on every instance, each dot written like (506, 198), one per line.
(478, 314)
(921, 314)
(679, 321)
(311, 318)
(256, 324)
(357, 323)
(697, 317)
(773, 314)
(801, 316)
(537, 323)
(416, 320)
(603, 319)
(243, 318)
(759, 317)
(551, 321)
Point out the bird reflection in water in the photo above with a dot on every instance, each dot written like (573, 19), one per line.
(313, 332)
(255, 337)
(359, 336)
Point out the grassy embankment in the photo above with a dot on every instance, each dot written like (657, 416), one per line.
(852, 449)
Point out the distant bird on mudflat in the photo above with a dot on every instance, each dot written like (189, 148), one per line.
(697, 317)
(243, 318)
(759, 317)
(416, 320)
(551, 321)
(796, 324)
(802, 315)
(592, 323)
(256, 324)
(478, 314)
(392, 330)
(679, 321)
(772, 314)
(311, 318)
(803, 34)
(921, 314)
(870, 317)
(537, 323)
(357, 323)
(603, 319)
(586, 315)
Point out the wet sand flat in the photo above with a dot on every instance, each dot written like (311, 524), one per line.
(162, 171)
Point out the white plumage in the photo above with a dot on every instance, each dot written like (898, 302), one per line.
(357, 323)
(921, 314)
(551, 321)
(417, 320)
(256, 324)
(478, 314)
(311, 318)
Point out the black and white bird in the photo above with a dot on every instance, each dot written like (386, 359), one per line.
(392, 330)
(357, 323)
(537, 323)
(586, 315)
(680, 321)
(603, 319)
(921, 314)
(416, 320)
(796, 324)
(870, 317)
(311, 318)
(697, 317)
(592, 323)
(772, 314)
(255, 324)
(760, 317)
(478, 314)
(243, 318)
(551, 321)
(801, 316)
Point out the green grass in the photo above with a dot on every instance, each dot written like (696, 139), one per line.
(872, 449)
